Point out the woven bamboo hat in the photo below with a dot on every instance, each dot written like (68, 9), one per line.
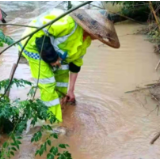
(98, 24)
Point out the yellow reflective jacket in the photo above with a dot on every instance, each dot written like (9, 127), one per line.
(67, 39)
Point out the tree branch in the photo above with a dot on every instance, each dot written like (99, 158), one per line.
(20, 25)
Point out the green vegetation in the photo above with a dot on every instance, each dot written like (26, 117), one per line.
(137, 10)
(14, 116)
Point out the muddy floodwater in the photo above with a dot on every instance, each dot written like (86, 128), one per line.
(106, 122)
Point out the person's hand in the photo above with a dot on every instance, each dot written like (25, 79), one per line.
(57, 63)
(70, 97)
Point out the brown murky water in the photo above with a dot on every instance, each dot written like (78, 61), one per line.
(106, 122)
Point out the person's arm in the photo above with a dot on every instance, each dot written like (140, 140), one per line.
(70, 94)
(74, 70)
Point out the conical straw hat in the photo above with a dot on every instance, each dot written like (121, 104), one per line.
(97, 23)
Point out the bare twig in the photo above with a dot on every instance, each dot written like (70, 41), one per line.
(136, 90)
(157, 106)
(148, 87)
(153, 84)
(18, 25)
(152, 111)
(39, 68)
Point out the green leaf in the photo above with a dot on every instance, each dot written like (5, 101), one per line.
(55, 135)
(5, 144)
(49, 142)
(37, 152)
(13, 144)
(32, 139)
(1, 44)
(39, 134)
(54, 150)
(52, 119)
(33, 122)
(13, 148)
(12, 153)
(18, 142)
(19, 137)
(62, 145)
(67, 145)
(61, 157)
(17, 145)
(49, 128)
(41, 151)
(50, 156)
(67, 155)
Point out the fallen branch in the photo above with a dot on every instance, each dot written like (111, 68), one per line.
(153, 84)
(148, 87)
(136, 90)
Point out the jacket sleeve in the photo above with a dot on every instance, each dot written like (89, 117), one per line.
(74, 68)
